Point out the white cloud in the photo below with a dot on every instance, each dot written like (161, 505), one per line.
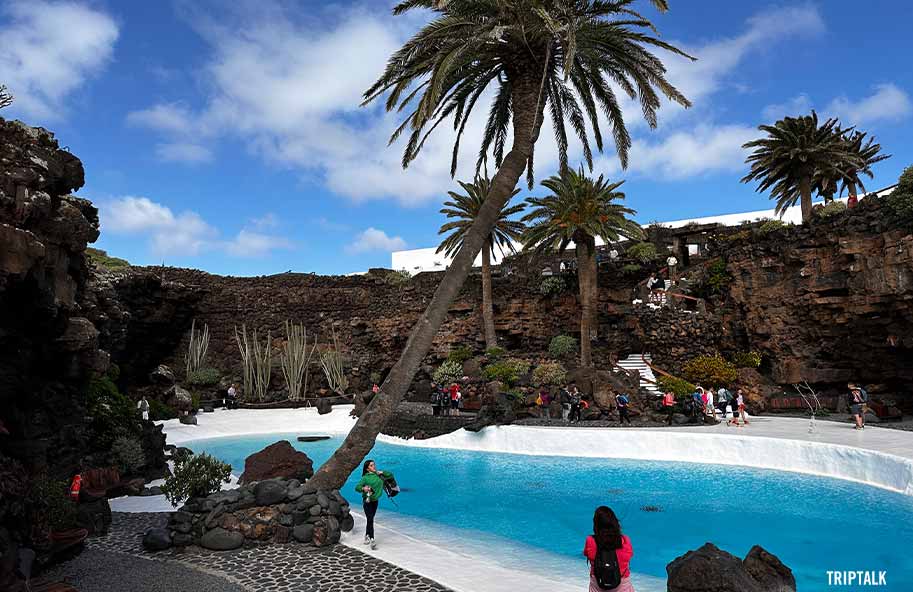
(373, 239)
(50, 49)
(799, 105)
(184, 234)
(267, 220)
(166, 117)
(183, 152)
(886, 103)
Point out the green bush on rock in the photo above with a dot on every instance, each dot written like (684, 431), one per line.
(197, 475)
(507, 371)
(51, 502)
(643, 252)
(771, 226)
(750, 359)
(459, 354)
(448, 372)
(832, 209)
(204, 377)
(710, 371)
(549, 373)
(127, 454)
(113, 414)
(677, 386)
(718, 278)
(562, 346)
(552, 286)
(159, 411)
(631, 268)
(495, 353)
(901, 199)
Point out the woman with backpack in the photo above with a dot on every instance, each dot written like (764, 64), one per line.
(608, 553)
(371, 487)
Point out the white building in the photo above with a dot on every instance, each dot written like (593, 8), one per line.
(418, 260)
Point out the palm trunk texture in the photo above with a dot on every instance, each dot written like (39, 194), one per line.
(527, 122)
(488, 312)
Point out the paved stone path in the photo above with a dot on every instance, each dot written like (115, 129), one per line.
(266, 568)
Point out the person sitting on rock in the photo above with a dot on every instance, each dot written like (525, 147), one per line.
(371, 487)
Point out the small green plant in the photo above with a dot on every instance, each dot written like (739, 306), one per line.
(398, 278)
(677, 386)
(549, 373)
(195, 400)
(507, 371)
(749, 359)
(375, 377)
(900, 201)
(113, 414)
(643, 252)
(631, 268)
(552, 286)
(159, 411)
(562, 346)
(832, 209)
(495, 353)
(710, 371)
(771, 226)
(127, 454)
(459, 354)
(101, 259)
(718, 278)
(53, 504)
(448, 372)
(196, 475)
(204, 377)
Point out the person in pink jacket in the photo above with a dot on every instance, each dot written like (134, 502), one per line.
(607, 534)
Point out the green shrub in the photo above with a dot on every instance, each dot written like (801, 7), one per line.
(643, 252)
(375, 377)
(495, 353)
(52, 503)
(771, 226)
(552, 286)
(127, 454)
(710, 371)
(901, 199)
(204, 377)
(448, 372)
(197, 475)
(101, 259)
(831, 209)
(459, 354)
(194, 400)
(159, 411)
(398, 278)
(113, 414)
(678, 387)
(631, 268)
(507, 371)
(750, 359)
(562, 346)
(113, 372)
(718, 279)
(549, 373)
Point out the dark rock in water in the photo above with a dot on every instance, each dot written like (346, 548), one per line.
(312, 438)
(157, 539)
(219, 539)
(710, 569)
(94, 516)
(269, 492)
(303, 533)
(769, 571)
(277, 460)
(324, 406)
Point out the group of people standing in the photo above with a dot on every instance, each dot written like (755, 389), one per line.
(446, 400)
(570, 399)
(710, 402)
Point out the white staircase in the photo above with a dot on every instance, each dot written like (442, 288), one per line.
(635, 362)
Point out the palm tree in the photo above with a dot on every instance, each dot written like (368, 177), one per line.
(867, 153)
(788, 159)
(567, 56)
(465, 208)
(578, 210)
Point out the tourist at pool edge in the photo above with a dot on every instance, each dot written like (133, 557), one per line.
(371, 487)
(858, 398)
(607, 534)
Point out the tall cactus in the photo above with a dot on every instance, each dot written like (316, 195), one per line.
(296, 360)
(333, 365)
(256, 361)
(196, 349)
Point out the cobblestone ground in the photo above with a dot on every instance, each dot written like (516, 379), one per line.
(268, 568)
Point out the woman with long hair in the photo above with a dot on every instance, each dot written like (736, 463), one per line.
(607, 537)
(371, 487)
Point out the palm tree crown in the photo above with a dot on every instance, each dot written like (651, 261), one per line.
(789, 158)
(464, 208)
(563, 52)
(577, 204)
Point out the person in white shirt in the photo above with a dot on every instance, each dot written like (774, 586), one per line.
(143, 406)
(672, 262)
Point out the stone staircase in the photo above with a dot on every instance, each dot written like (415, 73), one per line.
(636, 362)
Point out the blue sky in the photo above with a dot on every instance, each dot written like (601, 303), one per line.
(231, 140)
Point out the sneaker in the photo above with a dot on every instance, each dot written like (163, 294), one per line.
(373, 544)
(367, 540)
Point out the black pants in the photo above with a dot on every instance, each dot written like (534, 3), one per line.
(370, 511)
(623, 415)
(575, 412)
(670, 410)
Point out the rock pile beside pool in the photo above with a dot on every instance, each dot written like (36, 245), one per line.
(270, 511)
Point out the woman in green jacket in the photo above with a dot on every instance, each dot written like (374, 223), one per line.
(371, 487)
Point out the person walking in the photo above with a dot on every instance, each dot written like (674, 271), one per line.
(709, 406)
(575, 405)
(371, 487)
(565, 399)
(723, 396)
(858, 398)
(143, 406)
(622, 402)
(672, 262)
(435, 400)
(232, 396)
(455, 397)
(669, 406)
(608, 552)
(543, 401)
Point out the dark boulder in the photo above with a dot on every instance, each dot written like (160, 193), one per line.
(162, 375)
(324, 406)
(275, 461)
(767, 569)
(303, 533)
(157, 539)
(710, 569)
(219, 539)
(269, 492)
(326, 532)
(94, 516)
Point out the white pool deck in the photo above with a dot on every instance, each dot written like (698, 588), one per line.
(875, 456)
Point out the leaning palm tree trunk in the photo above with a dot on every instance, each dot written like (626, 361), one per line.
(488, 313)
(586, 304)
(527, 121)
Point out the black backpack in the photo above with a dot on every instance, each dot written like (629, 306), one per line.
(606, 569)
(391, 488)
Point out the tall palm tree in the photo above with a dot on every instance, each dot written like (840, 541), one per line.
(465, 208)
(865, 152)
(564, 56)
(579, 209)
(788, 159)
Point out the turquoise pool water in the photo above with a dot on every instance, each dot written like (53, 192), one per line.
(535, 511)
